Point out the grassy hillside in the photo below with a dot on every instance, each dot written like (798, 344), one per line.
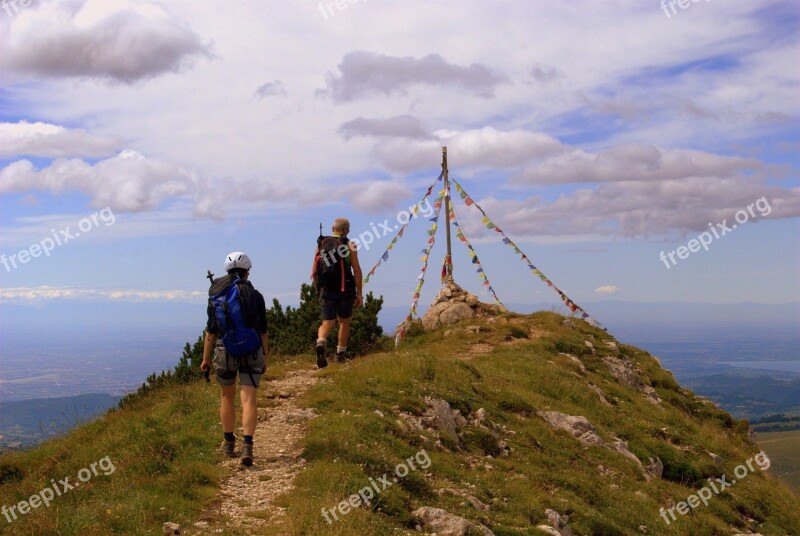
(784, 449)
(513, 370)
(502, 465)
(158, 466)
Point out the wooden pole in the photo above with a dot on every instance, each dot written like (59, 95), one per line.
(449, 257)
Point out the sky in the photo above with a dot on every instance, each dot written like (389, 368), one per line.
(140, 142)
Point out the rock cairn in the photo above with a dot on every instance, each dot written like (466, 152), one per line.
(454, 304)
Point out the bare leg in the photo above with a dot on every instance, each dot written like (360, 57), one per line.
(227, 414)
(344, 331)
(325, 329)
(249, 410)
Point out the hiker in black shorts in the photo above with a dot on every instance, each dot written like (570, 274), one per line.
(249, 367)
(337, 277)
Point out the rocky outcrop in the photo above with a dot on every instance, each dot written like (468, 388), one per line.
(172, 529)
(454, 304)
(443, 523)
(440, 416)
(622, 369)
(580, 428)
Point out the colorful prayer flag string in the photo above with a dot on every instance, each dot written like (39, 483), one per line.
(463, 239)
(426, 253)
(571, 305)
(414, 209)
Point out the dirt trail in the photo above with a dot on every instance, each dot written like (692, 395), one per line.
(247, 495)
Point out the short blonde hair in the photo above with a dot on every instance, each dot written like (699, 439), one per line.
(341, 225)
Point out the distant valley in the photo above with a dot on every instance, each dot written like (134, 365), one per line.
(28, 422)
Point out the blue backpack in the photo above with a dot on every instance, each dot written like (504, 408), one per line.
(239, 339)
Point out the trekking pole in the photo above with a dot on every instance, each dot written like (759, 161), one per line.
(207, 372)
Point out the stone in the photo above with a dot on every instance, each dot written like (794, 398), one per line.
(456, 313)
(622, 369)
(578, 426)
(173, 529)
(442, 416)
(716, 457)
(548, 530)
(599, 392)
(472, 300)
(445, 313)
(555, 519)
(480, 415)
(655, 467)
(443, 523)
(575, 360)
(477, 504)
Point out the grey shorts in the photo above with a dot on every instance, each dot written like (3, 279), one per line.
(227, 367)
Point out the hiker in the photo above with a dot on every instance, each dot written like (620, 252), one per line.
(337, 278)
(236, 333)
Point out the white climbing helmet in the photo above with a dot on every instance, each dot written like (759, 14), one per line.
(237, 259)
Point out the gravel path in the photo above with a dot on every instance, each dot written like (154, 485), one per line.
(247, 496)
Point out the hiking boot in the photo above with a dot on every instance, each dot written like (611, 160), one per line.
(228, 448)
(321, 361)
(340, 357)
(247, 454)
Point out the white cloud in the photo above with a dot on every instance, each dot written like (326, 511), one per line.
(364, 74)
(641, 208)
(401, 126)
(271, 89)
(635, 162)
(693, 82)
(607, 289)
(47, 293)
(482, 147)
(118, 40)
(377, 196)
(126, 182)
(47, 140)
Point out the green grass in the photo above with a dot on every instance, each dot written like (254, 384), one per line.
(164, 447)
(350, 443)
(164, 468)
(783, 449)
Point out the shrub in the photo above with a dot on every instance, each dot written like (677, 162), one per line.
(292, 331)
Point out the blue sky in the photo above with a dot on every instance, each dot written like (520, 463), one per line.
(595, 134)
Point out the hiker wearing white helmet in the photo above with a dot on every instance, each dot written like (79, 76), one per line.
(236, 335)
